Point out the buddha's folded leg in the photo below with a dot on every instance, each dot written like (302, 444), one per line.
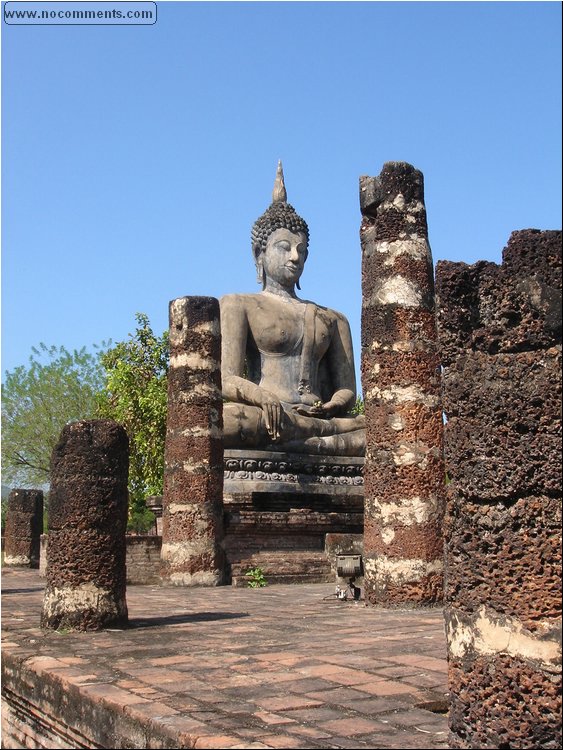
(316, 427)
(243, 426)
(346, 444)
(340, 436)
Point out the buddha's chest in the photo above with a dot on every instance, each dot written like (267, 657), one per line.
(289, 327)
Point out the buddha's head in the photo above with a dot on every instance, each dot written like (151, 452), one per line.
(280, 239)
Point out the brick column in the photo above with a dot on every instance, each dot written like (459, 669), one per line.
(192, 522)
(500, 336)
(404, 470)
(24, 526)
(85, 587)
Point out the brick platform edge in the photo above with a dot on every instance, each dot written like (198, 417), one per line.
(224, 668)
(34, 702)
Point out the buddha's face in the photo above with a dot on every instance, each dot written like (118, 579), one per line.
(284, 257)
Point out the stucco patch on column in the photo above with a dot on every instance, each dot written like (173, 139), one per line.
(404, 470)
(85, 588)
(193, 477)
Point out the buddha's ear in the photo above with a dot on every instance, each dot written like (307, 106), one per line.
(260, 276)
(298, 285)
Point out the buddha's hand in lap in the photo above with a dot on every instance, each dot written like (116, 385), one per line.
(273, 414)
(319, 410)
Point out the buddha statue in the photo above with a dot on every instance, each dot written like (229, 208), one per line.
(287, 363)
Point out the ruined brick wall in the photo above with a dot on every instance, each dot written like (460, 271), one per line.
(404, 469)
(500, 337)
(143, 559)
(192, 521)
(24, 524)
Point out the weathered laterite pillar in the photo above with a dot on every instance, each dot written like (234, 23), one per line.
(24, 526)
(404, 470)
(500, 337)
(192, 523)
(85, 587)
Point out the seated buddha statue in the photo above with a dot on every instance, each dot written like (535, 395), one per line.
(287, 363)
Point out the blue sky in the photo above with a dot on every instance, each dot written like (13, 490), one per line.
(136, 158)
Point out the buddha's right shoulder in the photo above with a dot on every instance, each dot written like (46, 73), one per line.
(230, 303)
(237, 300)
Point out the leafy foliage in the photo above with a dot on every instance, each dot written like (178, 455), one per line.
(255, 578)
(58, 386)
(4, 511)
(359, 407)
(141, 520)
(135, 395)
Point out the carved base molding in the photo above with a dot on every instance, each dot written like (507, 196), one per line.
(269, 471)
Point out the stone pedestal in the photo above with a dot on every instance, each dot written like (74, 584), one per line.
(24, 525)
(192, 527)
(404, 469)
(154, 504)
(500, 336)
(280, 508)
(85, 588)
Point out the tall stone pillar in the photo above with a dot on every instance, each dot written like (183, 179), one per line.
(85, 587)
(404, 470)
(500, 337)
(24, 526)
(192, 523)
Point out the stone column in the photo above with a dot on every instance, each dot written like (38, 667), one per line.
(500, 337)
(192, 522)
(404, 470)
(85, 588)
(24, 526)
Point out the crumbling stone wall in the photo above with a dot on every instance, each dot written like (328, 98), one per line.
(85, 587)
(500, 338)
(404, 470)
(24, 524)
(192, 522)
(143, 559)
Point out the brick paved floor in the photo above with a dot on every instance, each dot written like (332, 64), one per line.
(278, 667)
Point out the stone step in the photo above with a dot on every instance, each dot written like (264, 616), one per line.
(297, 566)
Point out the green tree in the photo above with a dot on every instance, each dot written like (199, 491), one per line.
(135, 395)
(56, 387)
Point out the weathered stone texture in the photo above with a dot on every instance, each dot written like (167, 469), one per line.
(404, 470)
(515, 307)
(505, 554)
(502, 441)
(24, 524)
(500, 337)
(508, 687)
(192, 524)
(142, 558)
(85, 587)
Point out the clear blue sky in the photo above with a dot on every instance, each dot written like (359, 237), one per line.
(136, 158)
